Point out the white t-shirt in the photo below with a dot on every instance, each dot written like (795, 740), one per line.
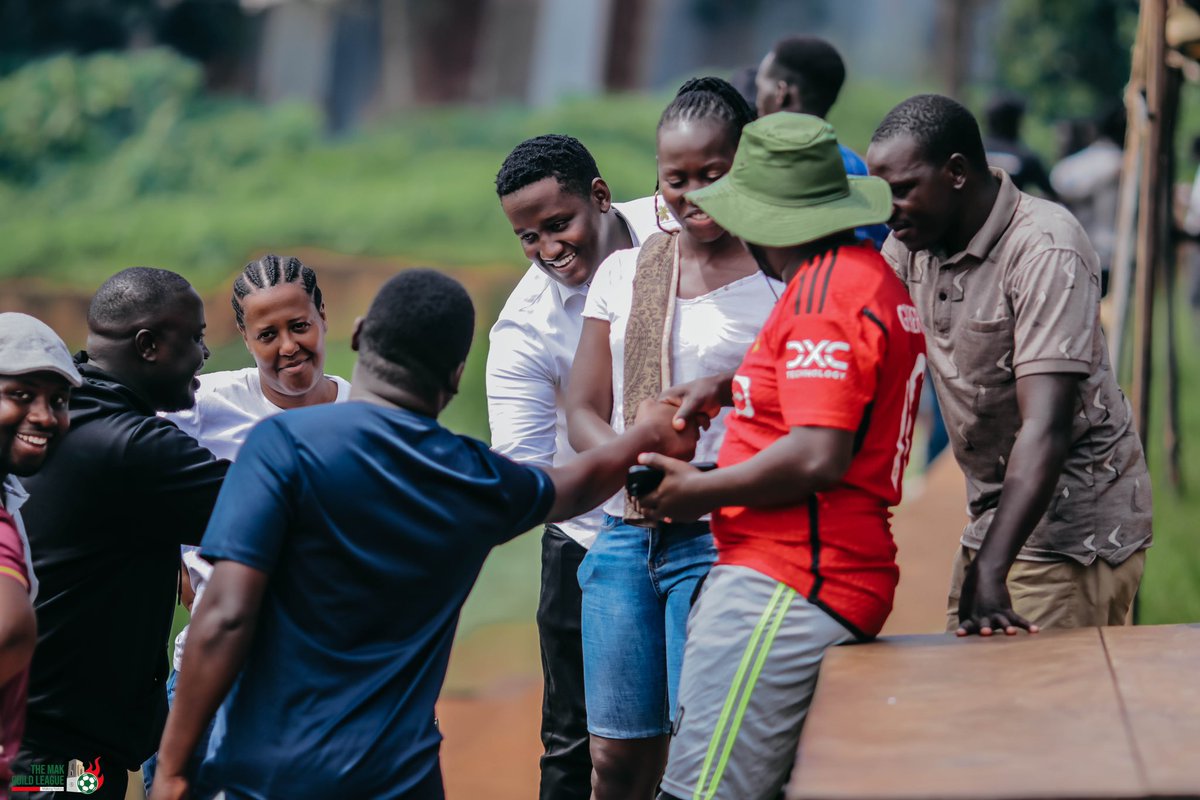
(228, 405)
(529, 365)
(709, 336)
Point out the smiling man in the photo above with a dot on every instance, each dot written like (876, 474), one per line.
(1008, 289)
(36, 376)
(106, 517)
(562, 212)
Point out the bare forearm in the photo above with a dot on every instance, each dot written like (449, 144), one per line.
(216, 649)
(1034, 467)
(595, 475)
(782, 474)
(15, 653)
(586, 429)
(18, 630)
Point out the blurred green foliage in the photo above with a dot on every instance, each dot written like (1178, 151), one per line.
(111, 161)
(1066, 59)
(147, 170)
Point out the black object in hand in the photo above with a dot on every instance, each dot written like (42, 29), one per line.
(643, 480)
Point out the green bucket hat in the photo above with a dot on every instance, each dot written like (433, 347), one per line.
(788, 185)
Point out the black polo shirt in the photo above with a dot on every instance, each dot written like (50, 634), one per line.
(106, 516)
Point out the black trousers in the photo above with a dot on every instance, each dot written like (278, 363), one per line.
(567, 762)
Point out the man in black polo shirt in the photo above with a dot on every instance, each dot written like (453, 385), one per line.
(105, 520)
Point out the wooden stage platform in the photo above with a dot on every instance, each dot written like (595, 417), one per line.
(1096, 712)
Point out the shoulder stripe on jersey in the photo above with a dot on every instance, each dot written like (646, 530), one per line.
(871, 316)
(812, 287)
(860, 435)
(825, 286)
(800, 279)
(814, 544)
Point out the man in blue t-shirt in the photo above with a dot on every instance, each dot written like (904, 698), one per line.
(346, 541)
(804, 74)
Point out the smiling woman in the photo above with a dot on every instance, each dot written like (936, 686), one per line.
(281, 317)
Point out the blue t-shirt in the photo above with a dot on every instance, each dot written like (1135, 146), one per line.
(856, 166)
(373, 523)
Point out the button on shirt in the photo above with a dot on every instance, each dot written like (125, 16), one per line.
(532, 346)
(1023, 299)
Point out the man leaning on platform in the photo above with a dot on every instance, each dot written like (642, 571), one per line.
(1007, 287)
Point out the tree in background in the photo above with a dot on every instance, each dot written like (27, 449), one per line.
(209, 31)
(1067, 59)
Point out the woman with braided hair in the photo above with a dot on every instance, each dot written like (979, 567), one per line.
(686, 305)
(281, 316)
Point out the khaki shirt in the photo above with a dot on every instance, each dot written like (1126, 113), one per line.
(1023, 299)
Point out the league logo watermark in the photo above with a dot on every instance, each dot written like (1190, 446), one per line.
(72, 777)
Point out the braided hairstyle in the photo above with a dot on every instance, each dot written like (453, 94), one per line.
(271, 270)
(710, 98)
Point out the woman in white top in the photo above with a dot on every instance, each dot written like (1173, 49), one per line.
(688, 305)
(281, 317)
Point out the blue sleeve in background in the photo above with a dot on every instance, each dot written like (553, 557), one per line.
(856, 166)
(256, 502)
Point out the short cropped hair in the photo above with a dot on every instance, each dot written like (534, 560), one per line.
(421, 322)
(552, 155)
(812, 65)
(130, 296)
(940, 126)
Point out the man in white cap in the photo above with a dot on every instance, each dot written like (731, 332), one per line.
(36, 376)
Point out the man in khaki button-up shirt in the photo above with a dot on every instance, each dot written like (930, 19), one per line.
(1007, 288)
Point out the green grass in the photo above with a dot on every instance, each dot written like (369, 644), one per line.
(1171, 587)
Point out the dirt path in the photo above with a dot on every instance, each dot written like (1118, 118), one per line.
(491, 747)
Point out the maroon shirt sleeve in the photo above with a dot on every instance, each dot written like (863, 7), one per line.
(12, 554)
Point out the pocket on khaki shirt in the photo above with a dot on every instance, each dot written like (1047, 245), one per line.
(984, 351)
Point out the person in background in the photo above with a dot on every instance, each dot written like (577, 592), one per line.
(280, 315)
(697, 297)
(1008, 291)
(329, 623)
(36, 377)
(562, 213)
(1006, 151)
(804, 74)
(106, 518)
(1088, 182)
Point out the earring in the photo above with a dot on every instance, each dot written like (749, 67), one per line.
(661, 213)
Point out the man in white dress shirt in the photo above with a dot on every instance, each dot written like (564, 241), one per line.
(562, 212)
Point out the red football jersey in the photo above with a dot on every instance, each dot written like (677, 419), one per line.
(842, 349)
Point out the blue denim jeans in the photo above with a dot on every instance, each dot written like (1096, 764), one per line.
(201, 746)
(638, 585)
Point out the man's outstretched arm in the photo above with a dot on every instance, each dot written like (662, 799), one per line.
(18, 628)
(1046, 403)
(218, 641)
(594, 476)
(805, 461)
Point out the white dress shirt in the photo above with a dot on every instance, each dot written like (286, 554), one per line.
(532, 346)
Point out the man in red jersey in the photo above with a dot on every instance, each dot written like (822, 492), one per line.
(813, 458)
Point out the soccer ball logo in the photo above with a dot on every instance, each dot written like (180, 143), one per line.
(81, 780)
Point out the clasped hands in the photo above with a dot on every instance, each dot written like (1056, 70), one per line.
(691, 406)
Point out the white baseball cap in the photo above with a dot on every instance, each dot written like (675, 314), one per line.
(29, 345)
